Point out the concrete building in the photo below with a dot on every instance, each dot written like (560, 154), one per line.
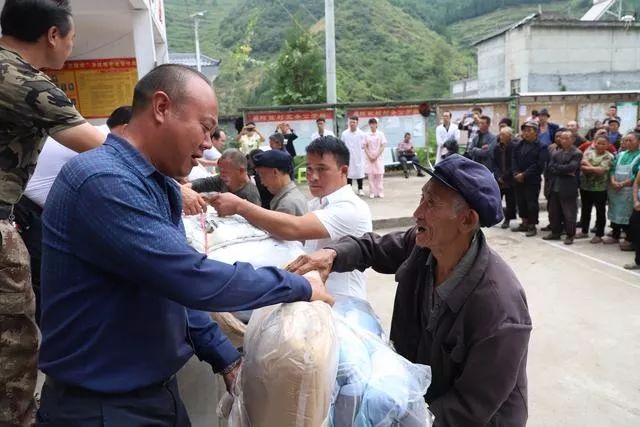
(545, 54)
(210, 66)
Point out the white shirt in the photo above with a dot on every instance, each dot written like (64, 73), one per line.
(443, 135)
(211, 154)
(355, 143)
(52, 158)
(343, 214)
(316, 134)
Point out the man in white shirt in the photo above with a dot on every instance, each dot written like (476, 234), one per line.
(334, 212)
(322, 130)
(29, 208)
(354, 139)
(445, 132)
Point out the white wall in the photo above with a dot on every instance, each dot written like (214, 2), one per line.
(491, 67)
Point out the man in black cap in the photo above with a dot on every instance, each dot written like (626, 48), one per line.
(458, 307)
(613, 133)
(273, 167)
(547, 130)
(529, 158)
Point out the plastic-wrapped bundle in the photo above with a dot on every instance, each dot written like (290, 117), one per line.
(358, 312)
(375, 386)
(289, 370)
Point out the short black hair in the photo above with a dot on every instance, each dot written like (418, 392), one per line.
(487, 118)
(120, 116)
(354, 118)
(613, 106)
(534, 113)
(321, 119)
(168, 78)
(407, 133)
(28, 20)
(373, 120)
(330, 145)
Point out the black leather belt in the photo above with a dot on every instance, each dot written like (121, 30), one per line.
(83, 392)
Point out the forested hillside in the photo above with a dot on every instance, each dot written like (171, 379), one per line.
(386, 49)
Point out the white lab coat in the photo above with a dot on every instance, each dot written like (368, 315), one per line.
(442, 135)
(355, 143)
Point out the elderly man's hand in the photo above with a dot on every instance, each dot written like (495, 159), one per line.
(318, 290)
(226, 204)
(192, 202)
(320, 261)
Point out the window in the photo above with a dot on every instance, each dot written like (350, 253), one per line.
(515, 86)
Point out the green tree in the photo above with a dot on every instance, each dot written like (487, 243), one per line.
(298, 74)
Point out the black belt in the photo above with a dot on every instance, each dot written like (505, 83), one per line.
(72, 390)
(6, 211)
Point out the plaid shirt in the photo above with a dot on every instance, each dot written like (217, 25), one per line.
(120, 284)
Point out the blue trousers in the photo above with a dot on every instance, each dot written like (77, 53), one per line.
(157, 406)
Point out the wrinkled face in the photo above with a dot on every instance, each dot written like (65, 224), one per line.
(573, 126)
(269, 178)
(353, 125)
(436, 217)
(528, 134)
(324, 175)
(60, 47)
(231, 174)
(483, 124)
(567, 139)
(601, 145)
(630, 142)
(504, 137)
(186, 127)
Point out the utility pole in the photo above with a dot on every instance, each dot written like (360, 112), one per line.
(196, 23)
(330, 48)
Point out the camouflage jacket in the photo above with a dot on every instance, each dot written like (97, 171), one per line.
(31, 107)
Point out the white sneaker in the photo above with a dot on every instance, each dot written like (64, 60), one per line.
(371, 196)
(381, 195)
(361, 192)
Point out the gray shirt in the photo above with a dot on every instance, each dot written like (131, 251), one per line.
(289, 200)
(441, 293)
(215, 183)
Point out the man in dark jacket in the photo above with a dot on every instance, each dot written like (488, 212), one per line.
(529, 158)
(458, 307)
(481, 147)
(503, 172)
(562, 172)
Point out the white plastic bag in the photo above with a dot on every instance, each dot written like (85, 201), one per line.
(289, 370)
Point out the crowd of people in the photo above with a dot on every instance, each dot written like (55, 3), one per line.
(599, 169)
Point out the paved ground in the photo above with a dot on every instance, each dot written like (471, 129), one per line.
(585, 347)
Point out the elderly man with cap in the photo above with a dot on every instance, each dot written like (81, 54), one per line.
(529, 159)
(273, 167)
(458, 307)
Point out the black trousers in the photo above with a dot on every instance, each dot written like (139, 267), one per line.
(27, 214)
(589, 199)
(634, 231)
(509, 194)
(617, 229)
(159, 406)
(527, 197)
(563, 209)
(360, 180)
(404, 161)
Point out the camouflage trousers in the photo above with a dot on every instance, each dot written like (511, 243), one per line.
(18, 332)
